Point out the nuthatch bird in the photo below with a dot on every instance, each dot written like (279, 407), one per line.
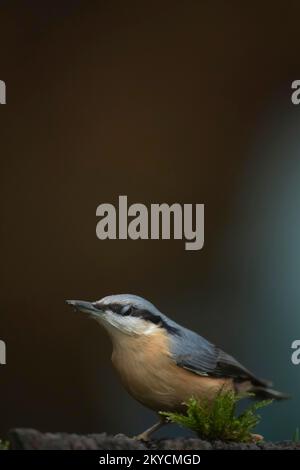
(162, 364)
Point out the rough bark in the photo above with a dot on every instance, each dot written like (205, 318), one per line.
(31, 439)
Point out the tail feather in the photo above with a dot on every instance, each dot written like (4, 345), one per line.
(269, 393)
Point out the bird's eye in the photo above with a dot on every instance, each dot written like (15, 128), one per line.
(126, 310)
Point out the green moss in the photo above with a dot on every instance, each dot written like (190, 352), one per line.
(218, 420)
(4, 445)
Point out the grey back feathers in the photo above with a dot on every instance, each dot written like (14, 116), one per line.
(193, 352)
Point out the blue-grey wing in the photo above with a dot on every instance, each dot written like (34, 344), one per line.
(194, 353)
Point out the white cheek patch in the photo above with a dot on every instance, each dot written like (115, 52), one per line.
(150, 328)
(129, 325)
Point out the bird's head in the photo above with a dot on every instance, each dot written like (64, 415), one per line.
(125, 313)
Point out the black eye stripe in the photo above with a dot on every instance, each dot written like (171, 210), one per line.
(138, 313)
(113, 307)
(146, 315)
(156, 319)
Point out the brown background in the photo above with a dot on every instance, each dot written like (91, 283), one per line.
(165, 102)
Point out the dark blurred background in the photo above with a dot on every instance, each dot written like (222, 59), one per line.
(183, 102)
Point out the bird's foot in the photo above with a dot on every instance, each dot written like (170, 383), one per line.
(144, 436)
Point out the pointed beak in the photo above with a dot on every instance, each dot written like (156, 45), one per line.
(83, 306)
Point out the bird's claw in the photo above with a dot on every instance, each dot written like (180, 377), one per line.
(142, 437)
